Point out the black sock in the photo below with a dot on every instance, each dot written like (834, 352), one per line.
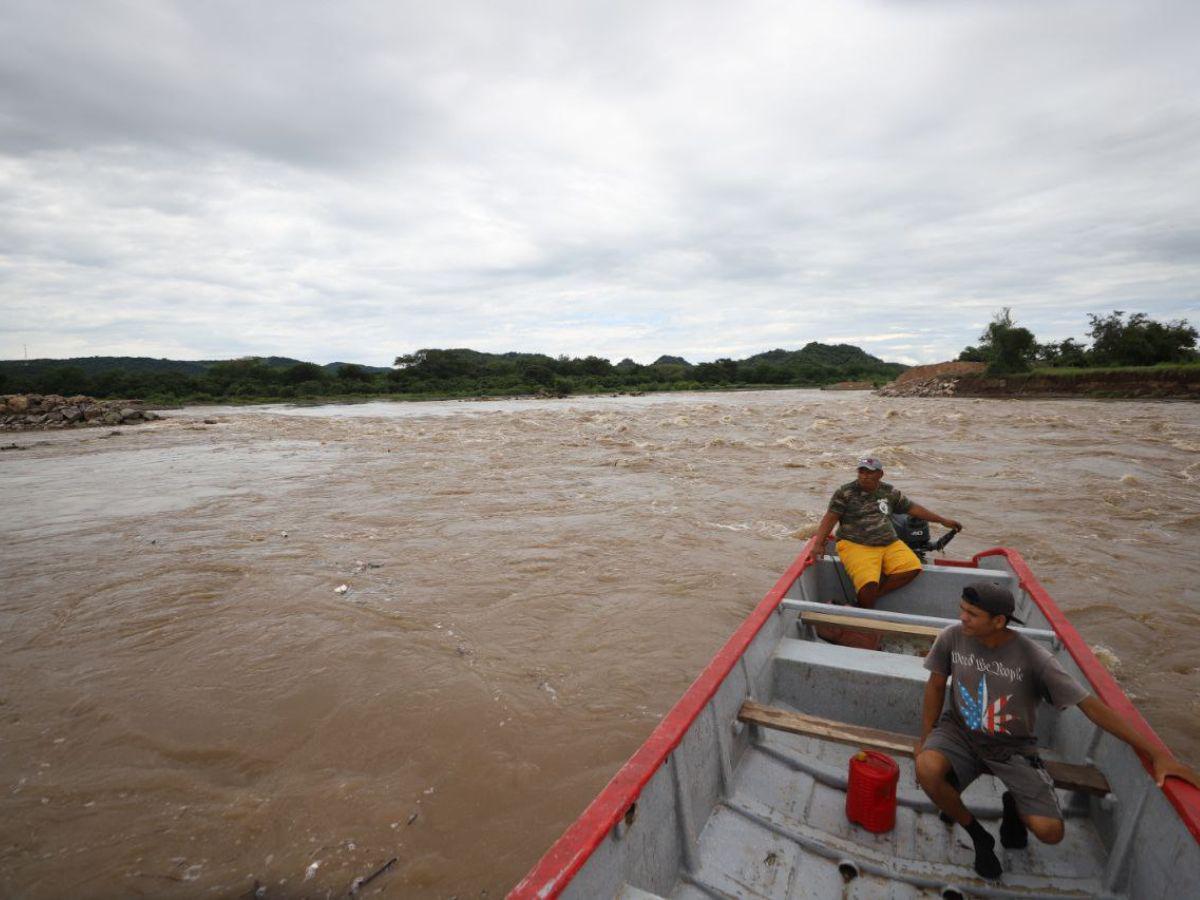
(1013, 833)
(986, 862)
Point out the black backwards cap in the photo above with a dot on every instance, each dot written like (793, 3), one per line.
(991, 598)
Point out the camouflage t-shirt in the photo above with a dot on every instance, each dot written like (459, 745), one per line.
(866, 517)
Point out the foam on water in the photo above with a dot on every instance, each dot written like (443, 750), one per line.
(551, 576)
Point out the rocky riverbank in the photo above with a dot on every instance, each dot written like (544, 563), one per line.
(25, 412)
(1171, 383)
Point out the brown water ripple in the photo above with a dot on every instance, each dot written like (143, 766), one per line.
(187, 706)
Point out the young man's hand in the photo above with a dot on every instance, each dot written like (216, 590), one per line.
(1165, 767)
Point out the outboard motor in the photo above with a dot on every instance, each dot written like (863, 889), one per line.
(915, 533)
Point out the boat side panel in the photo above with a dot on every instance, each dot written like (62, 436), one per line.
(646, 853)
(937, 591)
(650, 853)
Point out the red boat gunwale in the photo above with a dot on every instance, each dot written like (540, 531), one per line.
(554, 871)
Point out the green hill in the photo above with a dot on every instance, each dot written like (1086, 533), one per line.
(97, 365)
(432, 372)
(813, 353)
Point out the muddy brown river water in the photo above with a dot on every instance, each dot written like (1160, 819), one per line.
(190, 708)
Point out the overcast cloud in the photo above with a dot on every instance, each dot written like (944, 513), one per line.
(354, 180)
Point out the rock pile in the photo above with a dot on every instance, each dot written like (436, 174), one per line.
(926, 373)
(19, 412)
(935, 380)
(938, 386)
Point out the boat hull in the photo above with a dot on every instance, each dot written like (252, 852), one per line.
(710, 806)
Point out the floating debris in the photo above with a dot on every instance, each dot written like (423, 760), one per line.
(360, 883)
(312, 870)
(341, 589)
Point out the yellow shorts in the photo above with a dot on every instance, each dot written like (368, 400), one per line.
(866, 564)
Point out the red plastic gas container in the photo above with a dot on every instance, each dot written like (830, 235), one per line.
(871, 792)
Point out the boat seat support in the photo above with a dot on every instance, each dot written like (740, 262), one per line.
(1068, 776)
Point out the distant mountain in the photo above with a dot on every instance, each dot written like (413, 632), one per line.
(813, 353)
(334, 366)
(670, 361)
(96, 365)
(454, 372)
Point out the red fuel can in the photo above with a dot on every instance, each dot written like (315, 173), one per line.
(871, 792)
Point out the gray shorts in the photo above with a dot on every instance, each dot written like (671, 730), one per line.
(1022, 773)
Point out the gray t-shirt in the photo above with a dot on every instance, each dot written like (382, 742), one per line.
(994, 692)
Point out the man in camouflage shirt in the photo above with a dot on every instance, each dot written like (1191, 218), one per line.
(876, 560)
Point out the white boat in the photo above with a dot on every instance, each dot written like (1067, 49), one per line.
(741, 789)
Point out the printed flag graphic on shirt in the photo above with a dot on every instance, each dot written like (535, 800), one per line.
(979, 714)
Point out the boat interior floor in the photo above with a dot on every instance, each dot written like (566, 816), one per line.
(780, 829)
(782, 832)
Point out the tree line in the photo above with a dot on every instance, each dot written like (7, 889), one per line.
(1117, 341)
(446, 373)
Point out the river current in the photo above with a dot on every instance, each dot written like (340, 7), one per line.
(192, 706)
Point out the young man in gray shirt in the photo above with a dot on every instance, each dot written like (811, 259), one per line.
(1000, 677)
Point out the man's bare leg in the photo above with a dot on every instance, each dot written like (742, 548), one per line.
(1045, 829)
(1014, 827)
(870, 592)
(932, 769)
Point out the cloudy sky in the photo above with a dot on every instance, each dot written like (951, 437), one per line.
(355, 180)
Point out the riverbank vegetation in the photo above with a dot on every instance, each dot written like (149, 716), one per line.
(433, 374)
(1118, 343)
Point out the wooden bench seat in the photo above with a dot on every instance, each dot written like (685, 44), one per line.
(891, 622)
(877, 626)
(1068, 776)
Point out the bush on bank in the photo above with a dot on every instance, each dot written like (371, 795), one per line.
(1117, 343)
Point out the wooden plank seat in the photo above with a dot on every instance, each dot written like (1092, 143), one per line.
(877, 626)
(882, 621)
(1068, 776)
